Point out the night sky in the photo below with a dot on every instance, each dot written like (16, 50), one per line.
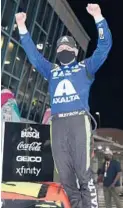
(106, 94)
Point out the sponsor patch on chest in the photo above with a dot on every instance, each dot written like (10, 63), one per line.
(65, 92)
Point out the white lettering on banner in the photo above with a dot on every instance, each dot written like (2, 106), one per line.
(66, 88)
(33, 171)
(28, 159)
(30, 133)
(92, 189)
(34, 146)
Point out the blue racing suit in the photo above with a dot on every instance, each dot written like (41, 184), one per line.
(69, 88)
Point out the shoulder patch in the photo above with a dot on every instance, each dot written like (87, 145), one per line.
(82, 63)
(55, 68)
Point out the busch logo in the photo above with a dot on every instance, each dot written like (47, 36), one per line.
(34, 146)
(30, 133)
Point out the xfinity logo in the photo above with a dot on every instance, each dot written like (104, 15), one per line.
(25, 171)
(65, 92)
(30, 133)
(28, 159)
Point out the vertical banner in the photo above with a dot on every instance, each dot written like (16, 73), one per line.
(24, 150)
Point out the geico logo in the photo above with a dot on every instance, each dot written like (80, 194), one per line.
(30, 134)
(28, 159)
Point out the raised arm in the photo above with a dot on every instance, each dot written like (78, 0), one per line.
(98, 57)
(36, 58)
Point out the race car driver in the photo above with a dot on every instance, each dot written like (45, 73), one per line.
(69, 86)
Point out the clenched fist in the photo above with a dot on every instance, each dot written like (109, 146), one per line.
(20, 18)
(94, 10)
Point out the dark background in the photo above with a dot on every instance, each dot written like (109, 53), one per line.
(106, 94)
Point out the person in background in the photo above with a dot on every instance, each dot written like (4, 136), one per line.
(47, 116)
(111, 173)
(9, 108)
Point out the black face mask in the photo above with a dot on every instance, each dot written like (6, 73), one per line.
(65, 56)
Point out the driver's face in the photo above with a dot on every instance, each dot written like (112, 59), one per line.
(64, 47)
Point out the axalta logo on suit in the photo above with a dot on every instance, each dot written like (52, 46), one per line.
(65, 92)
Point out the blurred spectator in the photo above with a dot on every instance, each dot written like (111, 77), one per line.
(9, 108)
(99, 171)
(47, 116)
(111, 173)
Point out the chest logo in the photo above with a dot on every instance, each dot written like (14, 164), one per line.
(65, 92)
